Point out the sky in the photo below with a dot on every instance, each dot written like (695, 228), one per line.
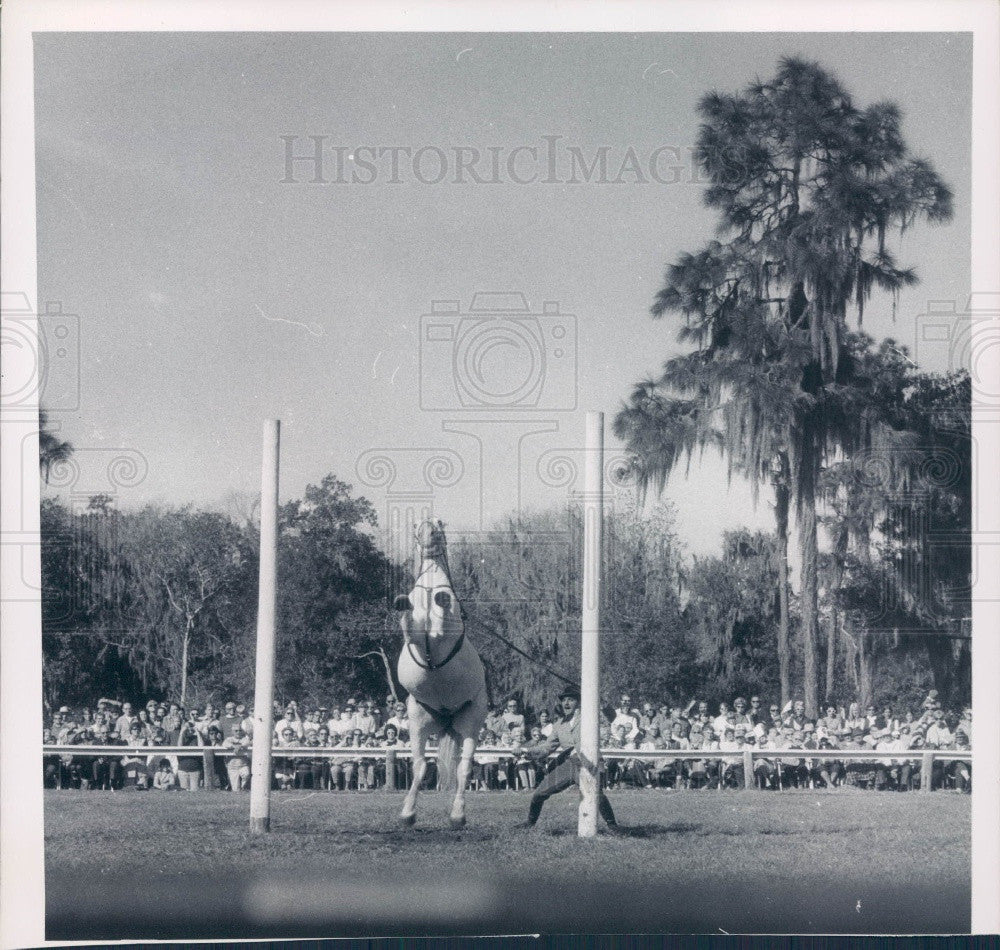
(205, 284)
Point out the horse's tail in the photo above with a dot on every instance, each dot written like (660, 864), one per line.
(449, 744)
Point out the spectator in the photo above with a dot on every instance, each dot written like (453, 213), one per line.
(938, 735)
(133, 764)
(173, 719)
(961, 772)
(245, 718)
(310, 723)
(615, 742)
(964, 727)
(798, 714)
(189, 767)
(661, 768)
(310, 772)
(289, 720)
(238, 764)
(365, 719)
(663, 720)
(633, 771)
(344, 725)
(713, 767)
(854, 720)
(625, 718)
(348, 766)
(284, 767)
(494, 720)
(209, 719)
(399, 721)
(651, 742)
(391, 740)
(164, 779)
(229, 721)
(732, 769)
(893, 734)
(646, 717)
(673, 771)
(795, 771)
(720, 722)
(124, 722)
(742, 714)
(146, 723)
(512, 716)
(765, 770)
(487, 765)
(831, 723)
(368, 765)
(321, 764)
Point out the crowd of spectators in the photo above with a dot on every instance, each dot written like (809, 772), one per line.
(509, 743)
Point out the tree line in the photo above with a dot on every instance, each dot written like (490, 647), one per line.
(161, 602)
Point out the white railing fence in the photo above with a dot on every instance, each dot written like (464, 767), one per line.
(926, 758)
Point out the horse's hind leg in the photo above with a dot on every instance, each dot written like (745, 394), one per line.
(419, 740)
(457, 817)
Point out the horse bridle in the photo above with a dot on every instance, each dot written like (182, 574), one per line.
(428, 663)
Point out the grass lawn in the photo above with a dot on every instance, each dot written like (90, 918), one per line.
(338, 864)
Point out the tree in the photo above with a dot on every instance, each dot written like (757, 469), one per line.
(191, 573)
(807, 186)
(900, 521)
(51, 449)
(734, 613)
(82, 585)
(334, 593)
(520, 588)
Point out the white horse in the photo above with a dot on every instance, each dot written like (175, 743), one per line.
(443, 674)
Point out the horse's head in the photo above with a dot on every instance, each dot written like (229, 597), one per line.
(431, 608)
(430, 539)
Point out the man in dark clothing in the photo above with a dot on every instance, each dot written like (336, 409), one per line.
(566, 737)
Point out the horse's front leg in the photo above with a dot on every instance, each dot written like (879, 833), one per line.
(418, 742)
(457, 817)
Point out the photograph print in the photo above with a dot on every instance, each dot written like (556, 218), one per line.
(503, 482)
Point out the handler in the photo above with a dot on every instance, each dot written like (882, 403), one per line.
(565, 736)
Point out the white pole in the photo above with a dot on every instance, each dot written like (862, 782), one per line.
(590, 661)
(263, 711)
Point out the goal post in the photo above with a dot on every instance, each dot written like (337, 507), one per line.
(267, 605)
(590, 661)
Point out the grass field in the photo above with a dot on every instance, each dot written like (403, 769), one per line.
(158, 865)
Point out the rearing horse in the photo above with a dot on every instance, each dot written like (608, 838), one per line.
(443, 674)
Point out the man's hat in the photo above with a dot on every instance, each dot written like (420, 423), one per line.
(570, 692)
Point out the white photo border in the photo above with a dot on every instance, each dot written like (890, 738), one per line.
(21, 813)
